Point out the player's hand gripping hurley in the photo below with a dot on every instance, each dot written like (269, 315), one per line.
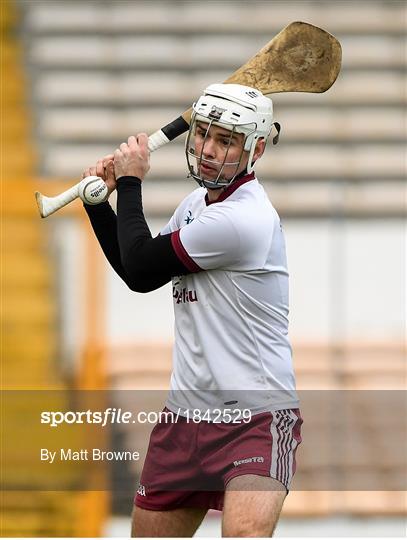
(301, 58)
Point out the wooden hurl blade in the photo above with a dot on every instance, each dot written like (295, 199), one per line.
(301, 58)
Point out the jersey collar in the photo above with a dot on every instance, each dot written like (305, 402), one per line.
(231, 188)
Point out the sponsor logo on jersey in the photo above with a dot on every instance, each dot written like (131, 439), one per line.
(183, 296)
(258, 459)
(141, 490)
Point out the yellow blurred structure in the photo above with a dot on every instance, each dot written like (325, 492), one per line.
(29, 329)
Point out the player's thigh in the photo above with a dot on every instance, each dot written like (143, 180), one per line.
(252, 506)
(181, 522)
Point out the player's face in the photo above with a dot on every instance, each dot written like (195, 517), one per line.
(213, 146)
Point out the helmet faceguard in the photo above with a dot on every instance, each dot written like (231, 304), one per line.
(237, 109)
(195, 160)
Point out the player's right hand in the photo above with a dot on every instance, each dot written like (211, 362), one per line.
(104, 168)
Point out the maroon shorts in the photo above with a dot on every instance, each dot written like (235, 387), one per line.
(188, 465)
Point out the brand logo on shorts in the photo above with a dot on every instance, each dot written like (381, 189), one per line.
(141, 490)
(249, 460)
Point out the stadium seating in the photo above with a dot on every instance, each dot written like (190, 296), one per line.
(92, 91)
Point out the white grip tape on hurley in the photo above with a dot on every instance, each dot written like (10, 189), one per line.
(156, 140)
(49, 205)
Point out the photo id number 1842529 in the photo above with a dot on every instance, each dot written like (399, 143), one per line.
(217, 416)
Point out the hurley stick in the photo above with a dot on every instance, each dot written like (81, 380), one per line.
(301, 58)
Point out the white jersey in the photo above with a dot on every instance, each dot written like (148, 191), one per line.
(231, 311)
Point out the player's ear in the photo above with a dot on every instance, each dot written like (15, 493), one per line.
(259, 150)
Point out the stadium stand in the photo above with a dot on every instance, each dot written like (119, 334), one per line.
(29, 327)
(146, 65)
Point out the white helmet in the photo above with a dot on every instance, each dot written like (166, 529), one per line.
(239, 109)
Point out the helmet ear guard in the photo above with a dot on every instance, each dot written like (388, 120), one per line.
(250, 162)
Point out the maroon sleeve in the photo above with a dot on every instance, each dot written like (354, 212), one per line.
(181, 253)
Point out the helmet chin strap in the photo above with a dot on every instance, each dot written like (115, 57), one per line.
(212, 187)
(237, 177)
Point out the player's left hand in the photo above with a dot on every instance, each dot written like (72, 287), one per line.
(133, 157)
(104, 169)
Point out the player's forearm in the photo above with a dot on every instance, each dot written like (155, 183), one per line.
(104, 224)
(141, 255)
